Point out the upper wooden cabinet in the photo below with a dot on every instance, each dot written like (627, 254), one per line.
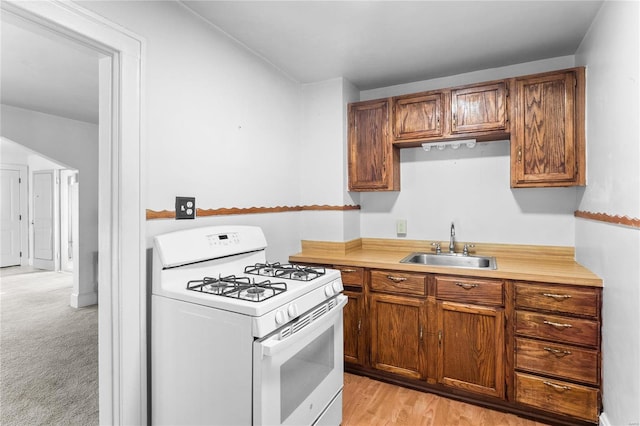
(479, 108)
(478, 111)
(418, 116)
(547, 135)
(542, 114)
(374, 163)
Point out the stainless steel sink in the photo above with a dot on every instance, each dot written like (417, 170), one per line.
(454, 260)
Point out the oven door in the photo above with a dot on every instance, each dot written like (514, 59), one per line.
(298, 377)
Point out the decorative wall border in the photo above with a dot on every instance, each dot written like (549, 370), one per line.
(171, 214)
(633, 222)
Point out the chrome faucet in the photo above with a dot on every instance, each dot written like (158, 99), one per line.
(452, 240)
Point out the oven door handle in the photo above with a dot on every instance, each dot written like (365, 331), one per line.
(274, 347)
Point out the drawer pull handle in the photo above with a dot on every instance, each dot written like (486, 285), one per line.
(467, 286)
(558, 297)
(559, 388)
(396, 279)
(348, 270)
(557, 352)
(558, 325)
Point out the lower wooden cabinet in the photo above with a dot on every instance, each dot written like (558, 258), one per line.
(557, 349)
(397, 334)
(471, 332)
(355, 321)
(354, 334)
(471, 348)
(557, 396)
(525, 347)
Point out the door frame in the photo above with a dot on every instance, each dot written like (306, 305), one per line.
(122, 267)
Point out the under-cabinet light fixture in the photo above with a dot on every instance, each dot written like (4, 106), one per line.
(470, 143)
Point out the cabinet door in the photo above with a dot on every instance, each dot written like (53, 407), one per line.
(374, 164)
(547, 144)
(398, 328)
(471, 348)
(418, 116)
(479, 108)
(354, 341)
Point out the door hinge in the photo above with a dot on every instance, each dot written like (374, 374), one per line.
(19, 180)
(19, 217)
(20, 254)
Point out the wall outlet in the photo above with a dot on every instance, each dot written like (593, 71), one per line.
(401, 226)
(185, 208)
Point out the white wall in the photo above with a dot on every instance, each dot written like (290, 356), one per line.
(611, 51)
(322, 166)
(470, 187)
(74, 144)
(221, 124)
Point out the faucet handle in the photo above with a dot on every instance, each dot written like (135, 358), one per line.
(465, 249)
(437, 246)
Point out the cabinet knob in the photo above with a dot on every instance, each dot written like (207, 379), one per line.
(519, 154)
(557, 324)
(557, 352)
(558, 297)
(559, 388)
(467, 286)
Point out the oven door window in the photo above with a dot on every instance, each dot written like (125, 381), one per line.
(304, 372)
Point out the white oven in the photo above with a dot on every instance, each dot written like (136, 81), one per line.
(299, 369)
(236, 340)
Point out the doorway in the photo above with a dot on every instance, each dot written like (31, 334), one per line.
(121, 271)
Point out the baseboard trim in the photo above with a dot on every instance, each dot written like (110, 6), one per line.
(604, 420)
(83, 300)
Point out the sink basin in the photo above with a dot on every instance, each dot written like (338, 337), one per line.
(454, 260)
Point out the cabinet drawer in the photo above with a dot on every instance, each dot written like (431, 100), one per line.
(573, 300)
(351, 275)
(568, 362)
(557, 396)
(558, 328)
(488, 292)
(399, 282)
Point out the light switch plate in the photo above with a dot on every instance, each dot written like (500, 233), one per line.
(185, 207)
(401, 226)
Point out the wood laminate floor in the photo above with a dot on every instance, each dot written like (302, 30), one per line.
(370, 402)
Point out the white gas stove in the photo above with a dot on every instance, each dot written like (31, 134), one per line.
(224, 320)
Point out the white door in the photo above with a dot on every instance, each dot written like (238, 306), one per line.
(10, 218)
(43, 219)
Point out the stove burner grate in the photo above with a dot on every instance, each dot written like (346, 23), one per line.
(242, 288)
(286, 271)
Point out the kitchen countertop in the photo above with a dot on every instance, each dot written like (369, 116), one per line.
(550, 264)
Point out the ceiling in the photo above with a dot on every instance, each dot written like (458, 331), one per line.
(370, 43)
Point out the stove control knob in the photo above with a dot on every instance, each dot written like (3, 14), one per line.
(292, 310)
(337, 286)
(328, 291)
(280, 317)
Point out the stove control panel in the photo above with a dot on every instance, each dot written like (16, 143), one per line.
(225, 239)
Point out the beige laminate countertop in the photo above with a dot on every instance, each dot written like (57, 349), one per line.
(515, 262)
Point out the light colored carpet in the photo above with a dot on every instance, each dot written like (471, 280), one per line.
(48, 352)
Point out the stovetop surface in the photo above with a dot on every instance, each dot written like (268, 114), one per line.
(247, 293)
